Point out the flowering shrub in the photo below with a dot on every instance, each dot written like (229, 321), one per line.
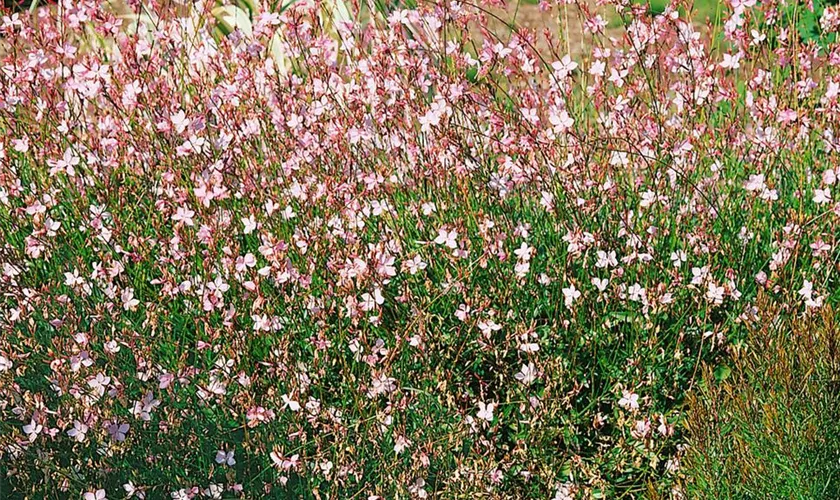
(421, 257)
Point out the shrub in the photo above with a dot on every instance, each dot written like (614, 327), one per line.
(408, 257)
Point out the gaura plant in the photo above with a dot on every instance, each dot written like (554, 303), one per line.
(438, 264)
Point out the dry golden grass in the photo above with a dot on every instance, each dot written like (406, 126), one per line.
(769, 427)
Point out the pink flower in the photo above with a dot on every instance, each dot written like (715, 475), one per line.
(560, 122)
(185, 215)
(66, 164)
(128, 300)
(730, 62)
(118, 431)
(447, 238)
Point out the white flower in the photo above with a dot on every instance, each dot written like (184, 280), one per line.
(250, 224)
(822, 196)
(214, 491)
(527, 374)
(179, 495)
(769, 195)
(488, 327)
(678, 257)
(118, 431)
(570, 294)
(261, 322)
(524, 252)
(128, 300)
(284, 463)
(564, 67)
(143, 409)
(381, 384)
(99, 383)
(32, 430)
(184, 214)
(400, 444)
(78, 431)
(699, 274)
(600, 284)
(225, 457)
(648, 199)
(485, 411)
(606, 259)
(369, 302)
(565, 492)
(73, 279)
(132, 490)
(806, 290)
(560, 122)
(829, 176)
(637, 293)
(814, 303)
(529, 347)
(730, 61)
(417, 490)
(714, 293)
(755, 183)
(414, 265)
(807, 293)
(179, 121)
(95, 495)
(290, 403)
(629, 400)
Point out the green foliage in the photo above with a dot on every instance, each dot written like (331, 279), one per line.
(761, 395)
(805, 18)
(772, 428)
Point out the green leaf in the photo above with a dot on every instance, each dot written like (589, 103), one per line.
(231, 17)
(253, 7)
(722, 372)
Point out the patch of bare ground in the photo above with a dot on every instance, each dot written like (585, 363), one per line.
(554, 32)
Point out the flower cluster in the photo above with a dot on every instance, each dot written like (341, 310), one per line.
(411, 255)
